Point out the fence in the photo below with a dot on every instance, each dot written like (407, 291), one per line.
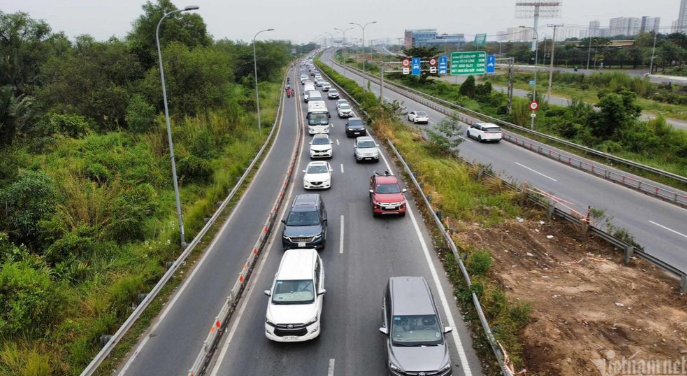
(674, 196)
(122, 331)
(221, 321)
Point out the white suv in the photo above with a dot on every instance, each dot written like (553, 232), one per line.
(318, 175)
(485, 132)
(366, 149)
(344, 110)
(296, 297)
(321, 147)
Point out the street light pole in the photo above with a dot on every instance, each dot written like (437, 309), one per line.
(169, 127)
(653, 54)
(331, 62)
(255, 65)
(364, 53)
(343, 52)
(553, 49)
(536, 56)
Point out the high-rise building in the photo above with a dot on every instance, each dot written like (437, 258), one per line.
(416, 37)
(628, 26)
(682, 17)
(568, 32)
(673, 27)
(594, 27)
(650, 24)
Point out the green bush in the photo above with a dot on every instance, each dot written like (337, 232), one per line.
(130, 210)
(479, 262)
(140, 115)
(194, 169)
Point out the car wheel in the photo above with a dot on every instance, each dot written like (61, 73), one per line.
(479, 138)
(403, 214)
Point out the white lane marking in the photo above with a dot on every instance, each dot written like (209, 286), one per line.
(330, 371)
(439, 288)
(535, 171)
(669, 229)
(199, 264)
(337, 141)
(342, 171)
(341, 235)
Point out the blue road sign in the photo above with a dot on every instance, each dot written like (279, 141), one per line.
(532, 82)
(443, 64)
(491, 63)
(416, 66)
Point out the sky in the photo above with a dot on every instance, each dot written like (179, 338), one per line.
(301, 21)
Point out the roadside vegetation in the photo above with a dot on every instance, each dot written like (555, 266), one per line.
(87, 209)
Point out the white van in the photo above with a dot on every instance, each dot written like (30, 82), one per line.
(306, 90)
(295, 305)
(315, 96)
(318, 117)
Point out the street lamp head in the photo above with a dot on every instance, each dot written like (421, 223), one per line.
(270, 30)
(373, 22)
(191, 7)
(523, 27)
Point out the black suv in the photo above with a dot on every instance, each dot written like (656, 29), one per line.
(305, 226)
(355, 126)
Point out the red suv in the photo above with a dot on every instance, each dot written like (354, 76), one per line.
(386, 195)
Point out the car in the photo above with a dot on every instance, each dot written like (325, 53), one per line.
(312, 73)
(485, 132)
(418, 117)
(415, 336)
(386, 195)
(318, 77)
(303, 78)
(355, 126)
(341, 101)
(366, 149)
(333, 94)
(318, 175)
(318, 82)
(326, 86)
(344, 110)
(321, 147)
(314, 95)
(296, 298)
(305, 225)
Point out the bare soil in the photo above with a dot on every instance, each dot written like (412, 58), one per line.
(586, 304)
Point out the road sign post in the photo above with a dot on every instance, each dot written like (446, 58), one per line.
(534, 105)
(416, 66)
(406, 66)
(491, 63)
(443, 64)
(468, 63)
(433, 65)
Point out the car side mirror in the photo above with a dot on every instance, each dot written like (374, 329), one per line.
(371, 191)
(268, 292)
(448, 329)
(384, 331)
(321, 292)
(283, 221)
(331, 142)
(377, 145)
(310, 143)
(404, 190)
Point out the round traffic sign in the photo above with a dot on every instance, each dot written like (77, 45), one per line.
(432, 61)
(534, 105)
(406, 62)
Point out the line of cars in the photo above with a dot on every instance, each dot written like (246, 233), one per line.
(415, 337)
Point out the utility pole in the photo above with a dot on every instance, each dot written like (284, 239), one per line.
(589, 53)
(511, 63)
(653, 54)
(553, 48)
(381, 83)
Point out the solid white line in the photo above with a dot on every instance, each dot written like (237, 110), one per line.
(341, 235)
(330, 371)
(200, 262)
(439, 288)
(535, 171)
(342, 168)
(669, 229)
(256, 276)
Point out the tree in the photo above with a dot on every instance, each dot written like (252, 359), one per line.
(17, 113)
(447, 134)
(424, 53)
(468, 87)
(617, 112)
(188, 29)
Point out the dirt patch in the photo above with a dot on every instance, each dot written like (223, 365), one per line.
(586, 304)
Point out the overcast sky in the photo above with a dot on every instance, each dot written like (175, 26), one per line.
(300, 20)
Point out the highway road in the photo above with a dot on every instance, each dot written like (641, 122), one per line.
(361, 254)
(655, 78)
(660, 227)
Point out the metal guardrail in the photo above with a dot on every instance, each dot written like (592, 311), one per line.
(122, 331)
(648, 187)
(222, 319)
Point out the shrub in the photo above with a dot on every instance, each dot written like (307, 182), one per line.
(468, 88)
(130, 210)
(192, 168)
(479, 262)
(139, 114)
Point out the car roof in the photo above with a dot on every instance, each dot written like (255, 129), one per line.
(321, 136)
(388, 179)
(297, 264)
(364, 138)
(354, 118)
(488, 125)
(410, 296)
(317, 163)
(306, 200)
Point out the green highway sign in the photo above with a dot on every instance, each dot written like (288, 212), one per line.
(480, 39)
(467, 63)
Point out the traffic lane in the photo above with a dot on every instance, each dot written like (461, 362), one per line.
(173, 342)
(354, 341)
(628, 208)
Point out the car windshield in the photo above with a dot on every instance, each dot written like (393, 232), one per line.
(416, 330)
(421, 113)
(318, 119)
(492, 129)
(345, 106)
(303, 218)
(320, 141)
(355, 122)
(294, 292)
(318, 169)
(366, 144)
(333, 91)
(388, 188)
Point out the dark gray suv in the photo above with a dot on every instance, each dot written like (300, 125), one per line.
(415, 340)
(305, 226)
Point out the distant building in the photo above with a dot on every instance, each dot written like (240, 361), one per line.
(417, 37)
(568, 32)
(519, 34)
(594, 27)
(625, 26)
(673, 27)
(682, 18)
(445, 40)
(650, 24)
